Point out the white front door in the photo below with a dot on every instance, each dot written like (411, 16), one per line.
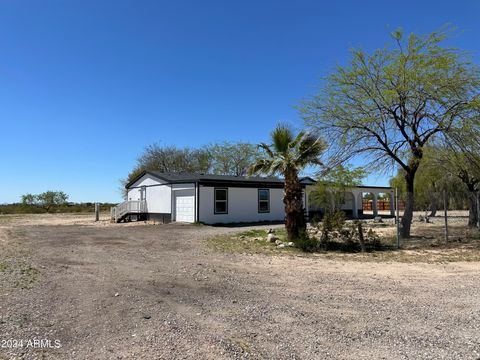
(184, 206)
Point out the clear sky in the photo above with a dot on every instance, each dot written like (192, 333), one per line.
(85, 85)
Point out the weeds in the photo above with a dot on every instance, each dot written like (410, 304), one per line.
(19, 274)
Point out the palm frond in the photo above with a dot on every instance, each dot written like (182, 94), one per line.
(311, 143)
(282, 136)
(260, 166)
(267, 149)
(288, 152)
(309, 151)
(298, 139)
(278, 167)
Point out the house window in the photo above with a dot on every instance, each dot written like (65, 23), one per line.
(221, 201)
(263, 200)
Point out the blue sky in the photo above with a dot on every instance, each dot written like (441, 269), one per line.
(86, 85)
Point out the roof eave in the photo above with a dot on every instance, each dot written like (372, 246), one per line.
(143, 173)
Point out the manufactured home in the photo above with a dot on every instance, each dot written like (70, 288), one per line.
(221, 199)
(209, 199)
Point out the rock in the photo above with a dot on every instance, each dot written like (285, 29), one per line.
(146, 316)
(271, 238)
(278, 242)
(282, 245)
(290, 244)
(271, 231)
(117, 294)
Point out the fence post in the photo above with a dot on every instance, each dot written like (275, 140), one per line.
(478, 209)
(445, 206)
(397, 218)
(97, 211)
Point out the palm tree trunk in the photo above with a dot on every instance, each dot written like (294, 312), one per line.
(294, 212)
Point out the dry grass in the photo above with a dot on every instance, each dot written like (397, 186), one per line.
(427, 244)
(250, 242)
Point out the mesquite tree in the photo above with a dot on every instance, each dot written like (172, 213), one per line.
(46, 200)
(459, 155)
(388, 105)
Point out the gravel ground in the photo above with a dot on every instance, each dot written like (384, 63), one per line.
(158, 292)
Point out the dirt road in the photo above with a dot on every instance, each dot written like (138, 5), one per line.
(158, 292)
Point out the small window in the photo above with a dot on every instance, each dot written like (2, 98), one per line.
(263, 200)
(221, 201)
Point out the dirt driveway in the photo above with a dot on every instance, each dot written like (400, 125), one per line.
(158, 292)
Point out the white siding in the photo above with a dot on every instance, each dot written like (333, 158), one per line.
(133, 194)
(188, 186)
(159, 199)
(242, 206)
(157, 193)
(147, 180)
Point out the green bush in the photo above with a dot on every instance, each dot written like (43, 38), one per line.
(332, 222)
(307, 244)
(348, 240)
(338, 235)
(316, 219)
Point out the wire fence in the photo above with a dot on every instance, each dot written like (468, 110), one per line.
(439, 217)
(422, 218)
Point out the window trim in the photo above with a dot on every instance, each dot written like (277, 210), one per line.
(215, 201)
(258, 201)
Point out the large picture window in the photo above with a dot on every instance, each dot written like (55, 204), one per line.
(221, 201)
(263, 200)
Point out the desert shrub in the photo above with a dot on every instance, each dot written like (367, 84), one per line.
(338, 220)
(372, 240)
(332, 222)
(354, 238)
(307, 243)
(316, 219)
(338, 235)
(20, 208)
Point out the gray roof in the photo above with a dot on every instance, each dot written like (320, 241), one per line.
(185, 177)
(176, 178)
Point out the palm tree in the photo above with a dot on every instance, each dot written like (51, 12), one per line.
(288, 155)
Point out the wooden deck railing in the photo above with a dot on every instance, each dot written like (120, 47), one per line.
(128, 207)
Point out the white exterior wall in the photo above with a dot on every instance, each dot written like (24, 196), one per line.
(147, 180)
(158, 194)
(188, 186)
(159, 199)
(242, 206)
